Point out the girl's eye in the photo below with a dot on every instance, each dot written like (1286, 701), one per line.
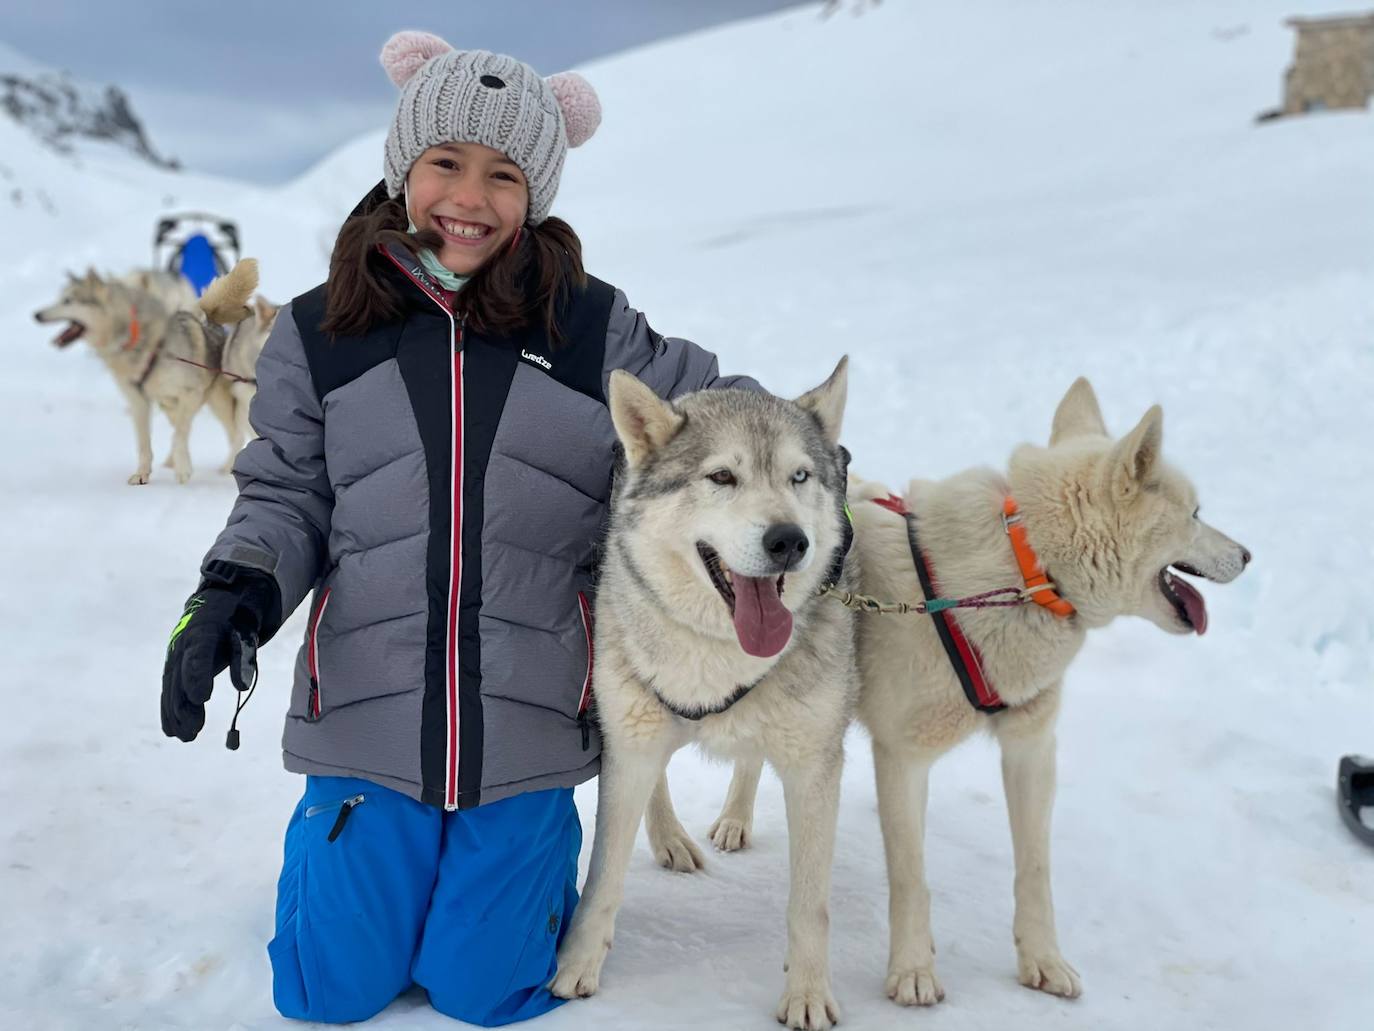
(446, 163)
(722, 477)
(800, 476)
(506, 176)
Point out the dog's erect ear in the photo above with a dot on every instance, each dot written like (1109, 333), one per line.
(826, 402)
(1132, 461)
(643, 421)
(265, 310)
(1078, 415)
(72, 277)
(92, 276)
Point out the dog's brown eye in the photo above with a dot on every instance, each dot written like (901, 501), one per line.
(723, 477)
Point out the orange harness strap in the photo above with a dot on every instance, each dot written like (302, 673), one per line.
(135, 330)
(1038, 585)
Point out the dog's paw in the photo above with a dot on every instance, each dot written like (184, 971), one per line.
(1046, 971)
(139, 478)
(808, 1008)
(578, 976)
(915, 987)
(729, 835)
(183, 476)
(679, 853)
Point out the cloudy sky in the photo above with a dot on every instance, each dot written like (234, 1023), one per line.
(260, 89)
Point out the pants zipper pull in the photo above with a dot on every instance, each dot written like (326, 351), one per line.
(345, 811)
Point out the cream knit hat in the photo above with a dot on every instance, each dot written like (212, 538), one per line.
(474, 96)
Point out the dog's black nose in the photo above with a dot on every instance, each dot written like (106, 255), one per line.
(1245, 556)
(785, 543)
(38, 317)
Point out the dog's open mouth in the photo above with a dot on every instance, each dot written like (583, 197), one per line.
(74, 331)
(1184, 597)
(762, 623)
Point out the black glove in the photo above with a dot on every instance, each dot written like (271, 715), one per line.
(234, 608)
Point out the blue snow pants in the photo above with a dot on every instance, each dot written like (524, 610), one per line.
(470, 905)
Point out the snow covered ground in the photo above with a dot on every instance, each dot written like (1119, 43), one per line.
(976, 202)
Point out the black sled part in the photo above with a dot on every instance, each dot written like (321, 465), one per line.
(1355, 791)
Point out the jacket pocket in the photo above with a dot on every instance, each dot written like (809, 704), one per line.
(584, 703)
(315, 704)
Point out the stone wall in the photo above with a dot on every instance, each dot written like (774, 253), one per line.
(1333, 66)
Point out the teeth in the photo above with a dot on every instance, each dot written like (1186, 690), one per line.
(728, 578)
(470, 232)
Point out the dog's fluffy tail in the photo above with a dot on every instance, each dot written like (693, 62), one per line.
(226, 299)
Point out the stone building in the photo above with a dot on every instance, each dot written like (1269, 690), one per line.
(1333, 64)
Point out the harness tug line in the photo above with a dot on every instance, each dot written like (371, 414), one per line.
(963, 655)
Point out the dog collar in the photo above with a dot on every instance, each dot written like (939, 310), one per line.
(1039, 588)
(702, 712)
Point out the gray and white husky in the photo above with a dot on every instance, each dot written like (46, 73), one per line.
(726, 519)
(1112, 524)
(159, 350)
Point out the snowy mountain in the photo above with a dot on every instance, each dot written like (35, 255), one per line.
(978, 203)
(63, 114)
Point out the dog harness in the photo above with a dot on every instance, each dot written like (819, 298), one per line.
(963, 654)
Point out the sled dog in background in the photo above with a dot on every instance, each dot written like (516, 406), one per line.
(159, 353)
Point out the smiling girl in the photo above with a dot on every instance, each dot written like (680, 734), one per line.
(433, 463)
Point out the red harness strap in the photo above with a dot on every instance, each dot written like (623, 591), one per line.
(963, 654)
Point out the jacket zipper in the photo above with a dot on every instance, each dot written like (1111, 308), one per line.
(584, 703)
(314, 656)
(455, 544)
(345, 807)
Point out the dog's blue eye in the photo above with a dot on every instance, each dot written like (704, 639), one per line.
(1196, 511)
(723, 477)
(800, 476)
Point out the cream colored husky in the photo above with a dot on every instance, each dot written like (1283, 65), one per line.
(1109, 521)
(161, 345)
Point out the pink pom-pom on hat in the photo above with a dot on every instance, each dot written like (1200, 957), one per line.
(405, 52)
(580, 104)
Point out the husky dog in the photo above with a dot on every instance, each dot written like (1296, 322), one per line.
(233, 392)
(726, 519)
(172, 289)
(1109, 522)
(158, 352)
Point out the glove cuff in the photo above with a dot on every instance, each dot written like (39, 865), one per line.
(258, 595)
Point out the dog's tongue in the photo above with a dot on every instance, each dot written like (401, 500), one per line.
(762, 623)
(1193, 604)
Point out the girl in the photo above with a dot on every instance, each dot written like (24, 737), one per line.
(434, 461)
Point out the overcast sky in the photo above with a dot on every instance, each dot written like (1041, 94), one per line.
(261, 89)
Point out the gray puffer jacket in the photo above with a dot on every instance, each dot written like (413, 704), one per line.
(442, 494)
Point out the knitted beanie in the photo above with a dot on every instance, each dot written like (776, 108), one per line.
(474, 96)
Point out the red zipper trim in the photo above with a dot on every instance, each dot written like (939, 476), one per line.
(455, 583)
(315, 653)
(586, 610)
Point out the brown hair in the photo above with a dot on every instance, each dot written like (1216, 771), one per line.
(523, 285)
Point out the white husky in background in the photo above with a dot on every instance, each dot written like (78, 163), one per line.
(1109, 522)
(158, 351)
(727, 518)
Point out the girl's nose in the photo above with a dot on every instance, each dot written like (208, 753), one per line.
(468, 191)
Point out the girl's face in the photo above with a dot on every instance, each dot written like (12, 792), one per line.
(472, 196)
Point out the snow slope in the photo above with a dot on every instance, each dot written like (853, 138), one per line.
(976, 202)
